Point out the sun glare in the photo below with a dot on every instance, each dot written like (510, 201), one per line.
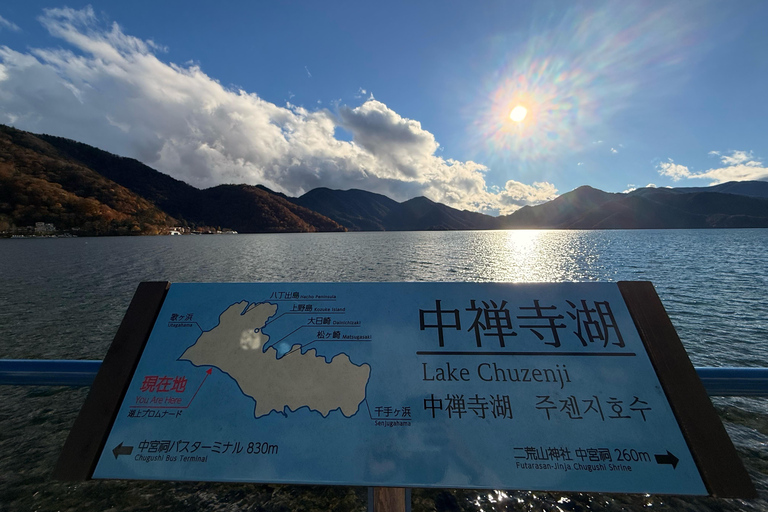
(518, 113)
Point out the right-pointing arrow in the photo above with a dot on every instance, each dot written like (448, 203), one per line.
(667, 458)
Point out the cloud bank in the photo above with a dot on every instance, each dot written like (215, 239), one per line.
(9, 25)
(736, 166)
(111, 90)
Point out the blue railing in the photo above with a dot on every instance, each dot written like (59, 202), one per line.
(45, 372)
(48, 372)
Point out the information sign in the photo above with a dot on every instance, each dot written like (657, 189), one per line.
(454, 385)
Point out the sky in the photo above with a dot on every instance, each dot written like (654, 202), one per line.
(404, 99)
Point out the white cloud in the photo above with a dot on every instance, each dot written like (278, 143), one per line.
(740, 158)
(631, 187)
(380, 130)
(4, 23)
(614, 150)
(122, 127)
(740, 172)
(673, 170)
(737, 166)
(516, 194)
(580, 164)
(116, 94)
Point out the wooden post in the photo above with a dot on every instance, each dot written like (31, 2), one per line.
(720, 467)
(389, 499)
(86, 439)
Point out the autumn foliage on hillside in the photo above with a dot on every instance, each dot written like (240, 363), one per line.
(38, 185)
(80, 188)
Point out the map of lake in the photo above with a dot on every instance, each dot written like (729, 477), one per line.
(237, 346)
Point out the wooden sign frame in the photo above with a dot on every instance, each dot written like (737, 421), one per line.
(718, 463)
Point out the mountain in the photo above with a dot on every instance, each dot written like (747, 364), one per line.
(78, 187)
(38, 185)
(359, 210)
(648, 208)
(735, 204)
(421, 213)
(244, 208)
(741, 188)
(561, 212)
(253, 209)
(173, 196)
(122, 195)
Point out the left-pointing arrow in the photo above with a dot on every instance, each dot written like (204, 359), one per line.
(122, 450)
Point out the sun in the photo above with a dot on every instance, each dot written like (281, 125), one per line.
(518, 113)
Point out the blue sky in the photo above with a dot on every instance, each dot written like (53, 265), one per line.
(401, 98)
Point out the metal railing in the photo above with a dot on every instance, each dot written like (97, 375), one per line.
(57, 372)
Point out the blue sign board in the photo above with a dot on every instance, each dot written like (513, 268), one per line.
(453, 385)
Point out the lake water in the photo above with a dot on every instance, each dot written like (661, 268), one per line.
(64, 299)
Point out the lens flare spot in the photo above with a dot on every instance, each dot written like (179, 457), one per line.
(550, 90)
(518, 113)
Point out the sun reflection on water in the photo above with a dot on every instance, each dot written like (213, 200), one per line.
(530, 256)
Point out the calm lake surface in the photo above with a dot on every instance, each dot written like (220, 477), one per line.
(64, 299)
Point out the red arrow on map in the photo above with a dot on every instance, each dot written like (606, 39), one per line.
(207, 374)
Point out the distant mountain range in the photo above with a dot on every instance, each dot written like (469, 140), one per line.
(745, 204)
(80, 188)
(359, 210)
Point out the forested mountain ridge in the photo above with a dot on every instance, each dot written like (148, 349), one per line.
(85, 190)
(244, 208)
(582, 208)
(81, 188)
(37, 185)
(359, 210)
(648, 208)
